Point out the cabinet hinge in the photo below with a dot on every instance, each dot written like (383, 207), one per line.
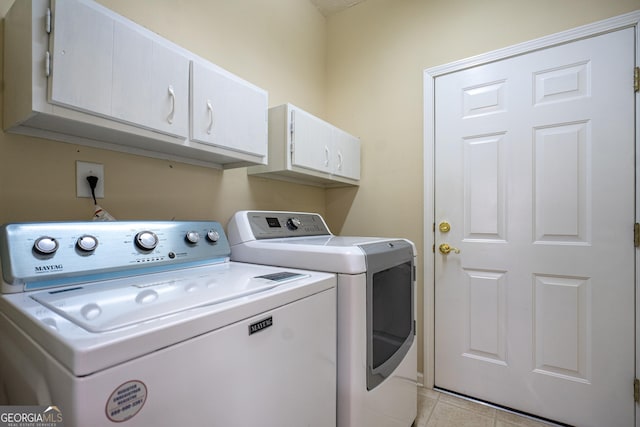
(47, 55)
(636, 235)
(47, 64)
(636, 79)
(292, 125)
(433, 248)
(636, 390)
(47, 22)
(292, 132)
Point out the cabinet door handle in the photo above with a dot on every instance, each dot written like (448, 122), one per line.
(339, 160)
(172, 94)
(326, 155)
(47, 64)
(210, 110)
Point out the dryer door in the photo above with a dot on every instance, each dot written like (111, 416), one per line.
(390, 307)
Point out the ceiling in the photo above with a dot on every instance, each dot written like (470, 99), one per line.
(329, 7)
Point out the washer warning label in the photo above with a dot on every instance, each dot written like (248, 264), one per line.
(126, 401)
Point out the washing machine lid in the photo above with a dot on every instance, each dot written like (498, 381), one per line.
(190, 303)
(118, 303)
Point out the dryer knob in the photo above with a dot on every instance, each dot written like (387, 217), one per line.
(293, 223)
(213, 236)
(87, 243)
(46, 245)
(146, 240)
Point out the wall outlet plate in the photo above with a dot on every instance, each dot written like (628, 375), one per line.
(85, 169)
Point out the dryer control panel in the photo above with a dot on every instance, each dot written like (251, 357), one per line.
(38, 255)
(271, 225)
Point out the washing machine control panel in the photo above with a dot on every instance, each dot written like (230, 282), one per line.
(36, 255)
(272, 225)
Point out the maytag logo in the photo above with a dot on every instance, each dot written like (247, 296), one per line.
(259, 326)
(48, 268)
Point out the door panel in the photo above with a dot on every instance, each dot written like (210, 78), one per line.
(534, 171)
(227, 112)
(346, 155)
(131, 86)
(169, 106)
(82, 53)
(312, 140)
(143, 72)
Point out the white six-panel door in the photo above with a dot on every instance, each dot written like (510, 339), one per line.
(534, 172)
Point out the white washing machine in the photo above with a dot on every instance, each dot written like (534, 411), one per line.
(150, 324)
(377, 356)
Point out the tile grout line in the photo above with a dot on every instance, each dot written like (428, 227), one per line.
(433, 409)
(496, 414)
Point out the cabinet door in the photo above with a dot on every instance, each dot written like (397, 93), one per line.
(104, 66)
(82, 54)
(346, 152)
(131, 87)
(150, 83)
(169, 105)
(227, 111)
(311, 141)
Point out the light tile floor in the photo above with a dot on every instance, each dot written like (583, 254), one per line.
(437, 409)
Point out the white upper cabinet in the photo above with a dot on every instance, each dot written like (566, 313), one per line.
(77, 72)
(308, 150)
(106, 67)
(227, 111)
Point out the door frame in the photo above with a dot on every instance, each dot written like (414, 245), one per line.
(628, 20)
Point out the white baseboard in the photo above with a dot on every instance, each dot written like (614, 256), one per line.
(420, 379)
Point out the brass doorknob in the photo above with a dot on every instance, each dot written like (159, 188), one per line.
(445, 249)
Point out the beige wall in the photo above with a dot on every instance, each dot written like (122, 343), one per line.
(377, 51)
(360, 69)
(278, 45)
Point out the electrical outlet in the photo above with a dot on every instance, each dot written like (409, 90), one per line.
(85, 169)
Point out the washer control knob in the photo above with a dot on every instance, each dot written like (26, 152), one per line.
(293, 223)
(213, 236)
(146, 240)
(87, 243)
(192, 237)
(46, 245)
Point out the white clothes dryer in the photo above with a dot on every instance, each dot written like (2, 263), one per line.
(377, 356)
(151, 324)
